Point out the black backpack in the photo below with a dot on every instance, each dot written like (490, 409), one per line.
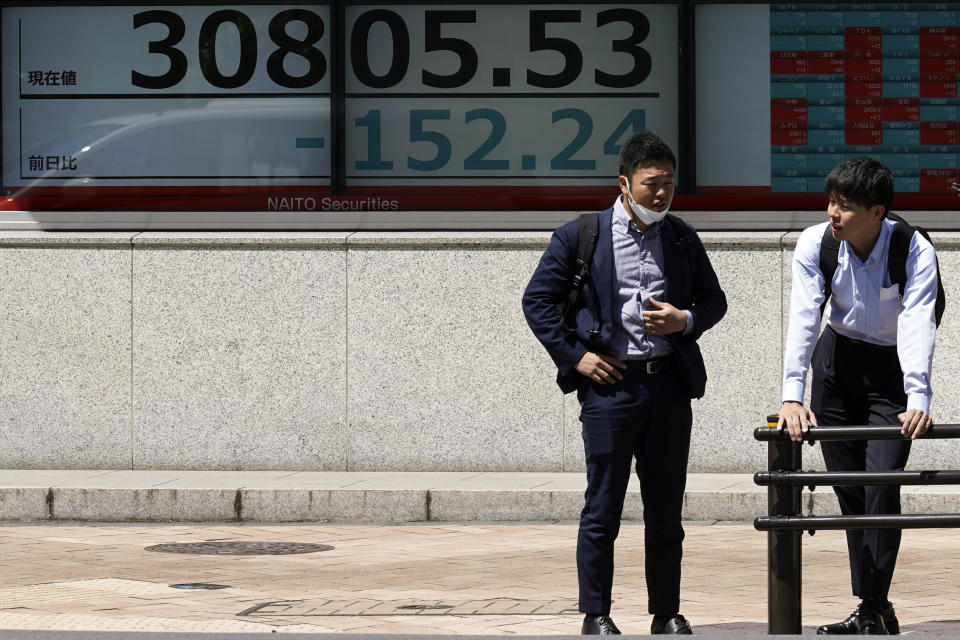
(587, 244)
(896, 261)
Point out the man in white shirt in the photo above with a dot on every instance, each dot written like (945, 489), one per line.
(871, 365)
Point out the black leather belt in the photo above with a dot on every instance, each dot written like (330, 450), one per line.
(651, 366)
(863, 344)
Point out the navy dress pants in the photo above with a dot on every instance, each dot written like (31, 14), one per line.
(646, 417)
(856, 383)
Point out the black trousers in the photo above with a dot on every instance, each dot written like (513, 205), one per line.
(646, 417)
(859, 383)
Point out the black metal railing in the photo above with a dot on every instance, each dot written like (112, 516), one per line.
(784, 524)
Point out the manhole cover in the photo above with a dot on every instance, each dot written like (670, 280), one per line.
(233, 548)
(199, 585)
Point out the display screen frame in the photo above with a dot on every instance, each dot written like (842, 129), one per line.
(535, 209)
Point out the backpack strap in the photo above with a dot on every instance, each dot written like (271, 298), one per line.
(829, 257)
(586, 245)
(900, 240)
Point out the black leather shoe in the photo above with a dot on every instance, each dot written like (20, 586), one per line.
(598, 626)
(890, 619)
(865, 621)
(676, 625)
(850, 626)
(871, 623)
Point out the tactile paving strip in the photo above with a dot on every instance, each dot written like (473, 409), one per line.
(495, 607)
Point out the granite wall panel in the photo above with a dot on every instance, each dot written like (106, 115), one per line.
(65, 351)
(239, 352)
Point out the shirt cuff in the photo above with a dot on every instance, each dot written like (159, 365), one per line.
(918, 401)
(689, 328)
(792, 391)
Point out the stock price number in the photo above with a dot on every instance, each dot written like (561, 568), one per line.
(424, 125)
(286, 45)
(540, 21)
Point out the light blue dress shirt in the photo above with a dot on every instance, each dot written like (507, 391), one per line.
(638, 260)
(864, 305)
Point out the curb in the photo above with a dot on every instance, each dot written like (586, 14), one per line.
(379, 497)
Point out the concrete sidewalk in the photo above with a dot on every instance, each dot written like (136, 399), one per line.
(417, 566)
(285, 496)
(479, 578)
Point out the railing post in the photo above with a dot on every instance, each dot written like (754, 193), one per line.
(784, 524)
(783, 547)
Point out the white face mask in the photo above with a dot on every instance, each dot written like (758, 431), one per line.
(644, 215)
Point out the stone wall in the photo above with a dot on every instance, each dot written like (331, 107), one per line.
(351, 351)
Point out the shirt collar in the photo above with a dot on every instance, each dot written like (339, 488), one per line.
(880, 248)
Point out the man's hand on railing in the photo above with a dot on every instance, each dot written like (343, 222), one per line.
(796, 418)
(914, 423)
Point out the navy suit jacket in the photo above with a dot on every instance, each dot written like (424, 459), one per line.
(697, 291)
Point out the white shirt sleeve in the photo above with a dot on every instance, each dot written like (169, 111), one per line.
(689, 328)
(916, 324)
(806, 296)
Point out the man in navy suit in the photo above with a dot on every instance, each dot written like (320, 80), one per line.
(633, 360)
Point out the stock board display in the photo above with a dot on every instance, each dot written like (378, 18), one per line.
(165, 100)
(393, 107)
(217, 106)
(505, 93)
(862, 78)
(166, 105)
